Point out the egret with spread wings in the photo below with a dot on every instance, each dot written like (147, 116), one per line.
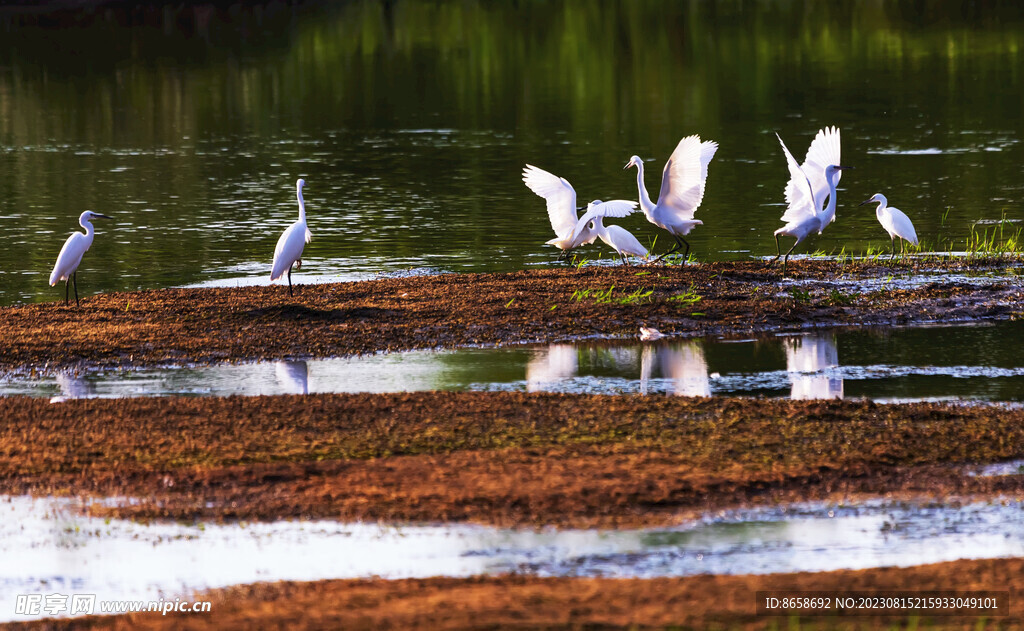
(809, 186)
(560, 196)
(620, 239)
(682, 189)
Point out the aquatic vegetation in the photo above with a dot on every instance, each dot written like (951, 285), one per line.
(606, 296)
(687, 298)
(800, 295)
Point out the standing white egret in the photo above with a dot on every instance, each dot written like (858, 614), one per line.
(66, 267)
(895, 222)
(682, 189)
(620, 239)
(561, 202)
(289, 247)
(809, 186)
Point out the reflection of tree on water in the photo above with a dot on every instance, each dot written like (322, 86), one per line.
(557, 363)
(293, 376)
(682, 364)
(806, 358)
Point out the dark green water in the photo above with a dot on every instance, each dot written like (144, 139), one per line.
(411, 121)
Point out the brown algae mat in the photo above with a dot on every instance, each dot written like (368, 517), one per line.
(524, 602)
(509, 459)
(448, 310)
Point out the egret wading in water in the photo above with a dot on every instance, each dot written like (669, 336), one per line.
(289, 247)
(682, 189)
(620, 239)
(561, 202)
(895, 222)
(810, 184)
(66, 267)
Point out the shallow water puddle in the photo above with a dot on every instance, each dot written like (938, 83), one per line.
(952, 362)
(48, 548)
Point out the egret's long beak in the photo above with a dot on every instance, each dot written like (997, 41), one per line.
(839, 167)
(99, 216)
(628, 164)
(866, 201)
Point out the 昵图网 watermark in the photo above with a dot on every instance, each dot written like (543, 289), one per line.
(57, 604)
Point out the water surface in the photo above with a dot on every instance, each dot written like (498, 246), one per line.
(411, 121)
(49, 548)
(893, 364)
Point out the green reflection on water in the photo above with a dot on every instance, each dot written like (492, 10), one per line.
(411, 121)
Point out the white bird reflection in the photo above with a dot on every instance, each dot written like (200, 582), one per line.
(557, 363)
(72, 386)
(806, 357)
(682, 364)
(293, 376)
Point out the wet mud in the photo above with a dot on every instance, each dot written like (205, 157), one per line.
(177, 326)
(507, 459)
(521, 602)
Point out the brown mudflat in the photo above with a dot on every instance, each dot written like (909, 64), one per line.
(510, 459)
(248, 323)
(513, 459)
(520, 602)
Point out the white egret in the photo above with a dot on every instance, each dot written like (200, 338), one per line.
(289, 247)
(809, 186)
(620, 239)
(561, 202)
(895, 222)
(682, 189)
(66, 267)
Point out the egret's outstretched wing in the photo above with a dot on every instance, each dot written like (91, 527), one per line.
(559, 194)
(614, 208)
(682, 181)
(799, 197)
(824, 151)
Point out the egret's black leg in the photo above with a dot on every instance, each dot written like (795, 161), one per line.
(785, 261)
(891, 256)
(679, 244)
(290, 282)
(625, 261)
(778, 249)
(75, 276)
(67, 288)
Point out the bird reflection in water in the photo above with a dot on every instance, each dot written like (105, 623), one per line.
(293, 376)
(557, 363)
(683, 365)
(807, 357)
(73, 386)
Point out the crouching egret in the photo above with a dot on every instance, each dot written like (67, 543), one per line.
(561, 202)
(289, 247)
(620, 239)
(895, 222)
(809, 186)
(66, 267)
(682, 189)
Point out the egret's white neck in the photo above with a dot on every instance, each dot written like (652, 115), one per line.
(89, 230)
(829, 213)
(645, 200)
(302, 204)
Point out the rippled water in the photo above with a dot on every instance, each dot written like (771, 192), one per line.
(411, 121)
(48, 548)
(950, 362)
